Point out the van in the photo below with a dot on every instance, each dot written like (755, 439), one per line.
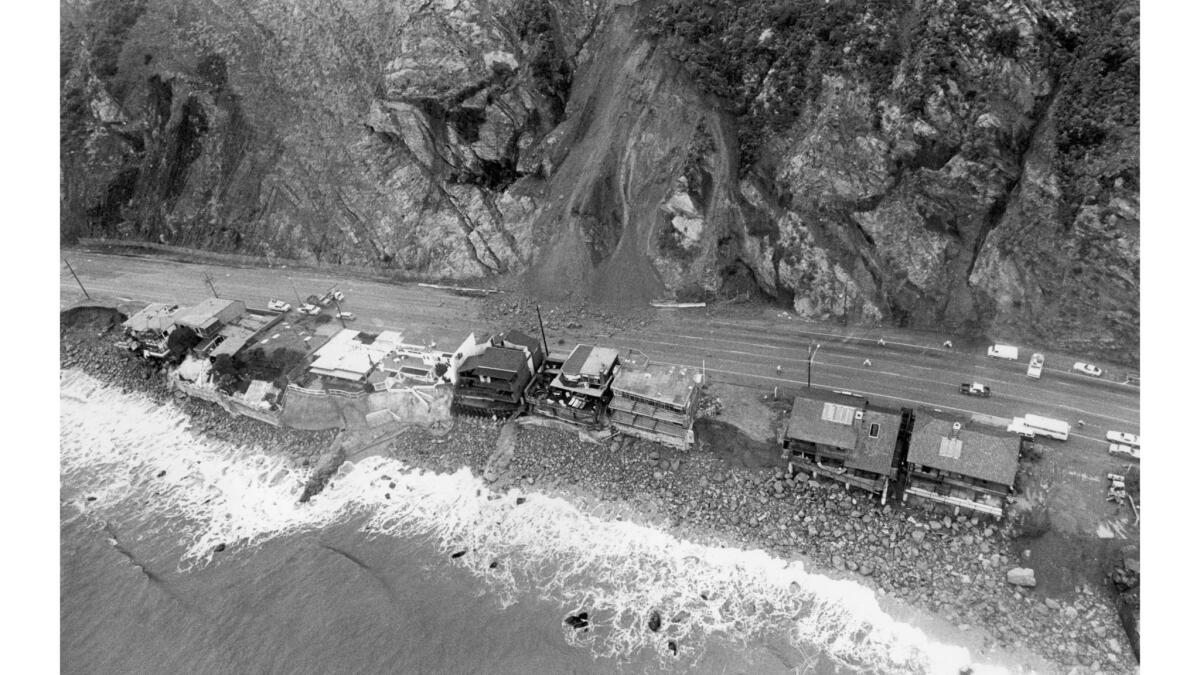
(1008, 352)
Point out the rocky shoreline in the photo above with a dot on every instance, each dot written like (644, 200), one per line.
(954, 568)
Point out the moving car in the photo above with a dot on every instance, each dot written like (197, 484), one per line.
(1123, 437)
(346, 316)
(1119, 449)
(278, 306)
(975, 389)
(1087, 369)
(310, 309)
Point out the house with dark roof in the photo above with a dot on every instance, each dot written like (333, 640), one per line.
(961, 464)
(575, 390)
(656, 401)
(845, 439)
(491, 375)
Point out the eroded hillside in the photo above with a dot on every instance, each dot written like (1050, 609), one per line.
(967, 164)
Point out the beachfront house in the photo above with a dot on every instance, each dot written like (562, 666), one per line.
(149, 330)
(490, 375)
(206, 318)
(656, 401)
(578, 390)
(961, 464)
(349, 363)
(845, 439)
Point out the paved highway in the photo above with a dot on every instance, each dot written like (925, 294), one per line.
(737, 346)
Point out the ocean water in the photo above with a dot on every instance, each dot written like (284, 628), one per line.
(397, 570)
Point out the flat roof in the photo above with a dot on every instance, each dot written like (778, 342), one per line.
(589, 361)
(670, 384)
(516, 337)
(202, 314)
(975, 451)
(346, 357)
(829, 419)
(241, 331)
(157, 316)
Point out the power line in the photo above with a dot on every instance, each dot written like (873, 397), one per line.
(85, 293)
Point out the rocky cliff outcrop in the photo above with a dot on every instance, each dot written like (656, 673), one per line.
(928, 163)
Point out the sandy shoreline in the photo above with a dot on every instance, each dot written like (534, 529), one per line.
(699, 497)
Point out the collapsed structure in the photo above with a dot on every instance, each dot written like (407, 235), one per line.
(579, 389)
(149, 330)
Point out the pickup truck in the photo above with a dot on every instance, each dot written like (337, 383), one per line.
(975, 389)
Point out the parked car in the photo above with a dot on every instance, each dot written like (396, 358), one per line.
(1119, 449)
(310, 309)
(975, 389)
(844, 392)
(278, 306)
(346, 316)
(1123, 437)
(1087, 369)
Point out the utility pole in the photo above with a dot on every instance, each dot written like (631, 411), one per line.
(298, 300)
(208, 280)
(338, 306)
(812, 351)
(541, 327)
(85, 293)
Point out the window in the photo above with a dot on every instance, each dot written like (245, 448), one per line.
(874, 431)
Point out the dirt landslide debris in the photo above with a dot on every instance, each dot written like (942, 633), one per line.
(955, 567)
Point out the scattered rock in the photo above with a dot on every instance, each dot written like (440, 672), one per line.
(458, 554)
(577, 621)
(918, 535)
(655, 621)
(1021, 576)
(673, 647)
(220, 547)
(520, 501)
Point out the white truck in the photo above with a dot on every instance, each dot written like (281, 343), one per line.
(1036, 425)
(1035, 366)
(1007, 352)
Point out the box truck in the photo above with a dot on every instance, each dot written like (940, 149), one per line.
(1003, 352)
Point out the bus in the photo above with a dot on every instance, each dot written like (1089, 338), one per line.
(1037, 425)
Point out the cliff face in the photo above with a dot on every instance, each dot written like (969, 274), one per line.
(970, 165)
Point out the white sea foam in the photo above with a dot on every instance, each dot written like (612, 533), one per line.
(115, 445)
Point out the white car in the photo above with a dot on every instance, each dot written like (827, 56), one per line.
(310, 309)
(278, 306)
(1123, 437)
(1087, 369)
(346, 316)
(338, 295)
(1119, 449)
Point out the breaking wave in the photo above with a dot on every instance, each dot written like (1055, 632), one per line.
(118, 447)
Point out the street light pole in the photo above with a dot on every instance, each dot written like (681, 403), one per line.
(812, 351)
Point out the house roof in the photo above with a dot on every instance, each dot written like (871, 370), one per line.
(346, 357)
(243, 330)
(157, 317)
(590, 362)
(974, 451)
(830, 419)
(668, 384)
(497, 360)
(203, 314)
(516, 337)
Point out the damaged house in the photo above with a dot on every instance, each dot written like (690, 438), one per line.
(150, 329)
(579, 389)
(657, 402)
(845, 439)
(961, 464)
